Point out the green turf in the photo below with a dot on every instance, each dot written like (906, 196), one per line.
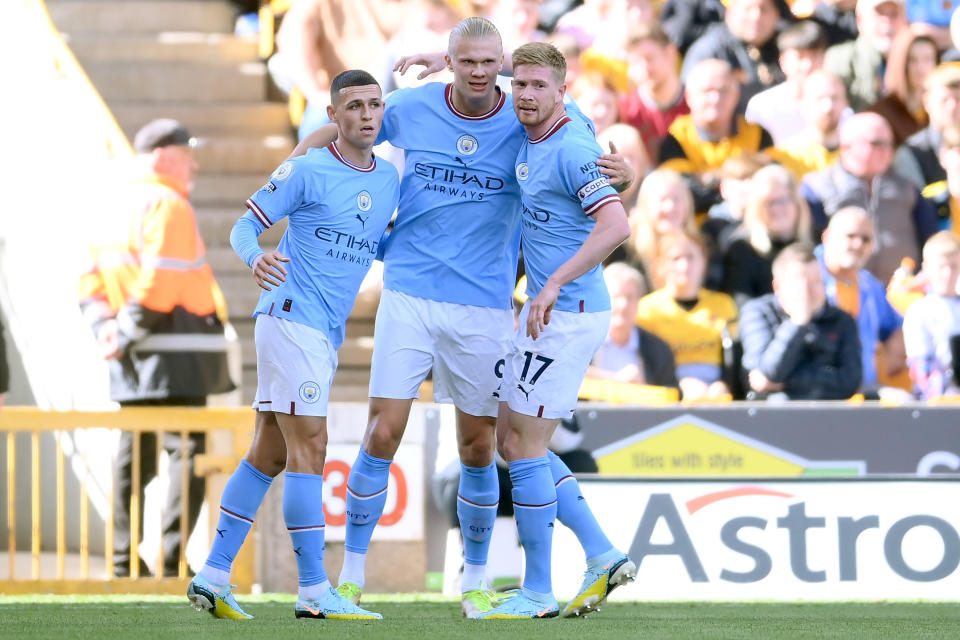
(434, 618)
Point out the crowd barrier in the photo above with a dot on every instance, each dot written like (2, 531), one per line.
(83, 462)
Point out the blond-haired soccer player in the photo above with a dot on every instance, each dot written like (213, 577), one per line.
(571, 220)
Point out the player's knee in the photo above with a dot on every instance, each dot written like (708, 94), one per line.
(383, 435)
(307, 456)
(267, 465)
(478, 452)
(509, 445)
(382, 443)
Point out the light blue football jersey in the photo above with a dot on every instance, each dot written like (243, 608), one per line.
(456, 236)
(561, 188)
(337, 216)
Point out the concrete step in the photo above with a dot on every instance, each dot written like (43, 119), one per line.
(142, 16)
(196, 82)
(225, 190)
(168, 46)
(208, 118)
(215, 224)
(243, 154)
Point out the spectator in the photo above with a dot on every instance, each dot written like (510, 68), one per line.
(945, 194)
(518, 21)
(630, 354)
(152, 302)
(427, 30)
(847, 245)
(318, 39)
(657, 97)
(664, 204)
(684, 21)
(775, 216)
(567, 45)
(933, 18)
(816, 147)
(689, 318)
(598, 19)
(597, 99)
(779, 109)
(626, 140)
(794, 342)
(724, 219)
(746, 41)
(862, 176)
(918, 158)
(838, 19)
(860, 63)
(913, 56)
(931, 328)
(698, 144)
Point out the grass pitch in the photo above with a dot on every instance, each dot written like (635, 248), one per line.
(433, 618)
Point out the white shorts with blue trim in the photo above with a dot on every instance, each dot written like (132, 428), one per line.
(463, 344)
(542, 377)
(295, 367)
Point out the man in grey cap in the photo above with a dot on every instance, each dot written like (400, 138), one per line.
(860, 63)
(152, 302)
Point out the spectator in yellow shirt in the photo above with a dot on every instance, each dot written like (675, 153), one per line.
(690, 319)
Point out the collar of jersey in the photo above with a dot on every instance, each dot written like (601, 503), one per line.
(556, 126)
(448, 96)
(339, 156)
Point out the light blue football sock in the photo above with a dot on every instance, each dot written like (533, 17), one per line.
(574, 512)
(477, 500)
(303, 514)
(366, 497)
(535, 509)
(238, 506)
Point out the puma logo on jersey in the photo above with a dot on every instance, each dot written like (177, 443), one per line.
(363, 221)
(525, 392)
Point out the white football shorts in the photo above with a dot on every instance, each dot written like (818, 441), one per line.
(542, 377)
(295, 367)
(463, 344)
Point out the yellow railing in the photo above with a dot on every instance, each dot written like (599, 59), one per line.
(236, 423)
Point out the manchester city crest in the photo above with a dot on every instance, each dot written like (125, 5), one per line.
(364, 201)
(309, 392)
(467, 145)
(283, 171)
(522, 171)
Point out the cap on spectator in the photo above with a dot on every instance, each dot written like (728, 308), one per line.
(947, 74)
(163, 132)
(870, 5)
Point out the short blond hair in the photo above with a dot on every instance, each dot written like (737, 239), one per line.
(474, 28)
(541, 54)
(942, 243)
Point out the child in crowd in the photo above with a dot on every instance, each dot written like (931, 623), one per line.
(931, 327)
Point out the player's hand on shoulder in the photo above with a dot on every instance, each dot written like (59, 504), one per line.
(620, 174)
(432, 63)
(268, 269)
(540, 309)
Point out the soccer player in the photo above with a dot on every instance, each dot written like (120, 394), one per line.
(338, 201)
(572, 219)
(449, 272)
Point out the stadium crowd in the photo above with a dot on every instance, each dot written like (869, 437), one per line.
(752, 125)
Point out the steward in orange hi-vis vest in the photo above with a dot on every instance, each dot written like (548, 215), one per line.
(151, 289)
